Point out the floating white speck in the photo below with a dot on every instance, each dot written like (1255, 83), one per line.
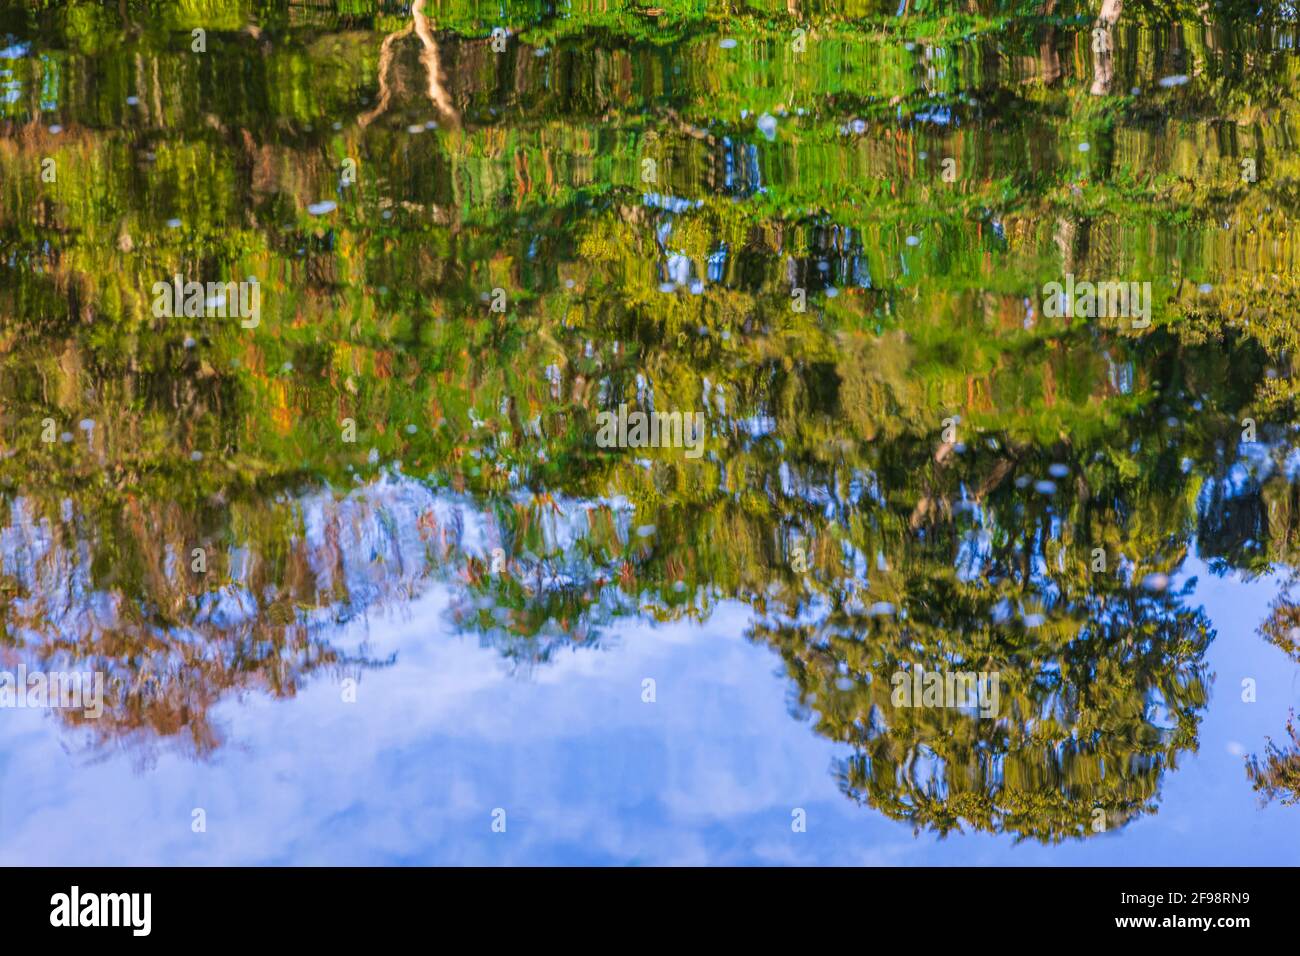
(767, 126)
(912, 241)
(726, 43)
(322, 207)
(1205, 288)
(173, 223)
(1045, 487)
(56, 129)
(1170, 81)
(1156, 581)
(1084, 147)
(1058, 470)
(645, 531)
(133, 101)
(196, 456)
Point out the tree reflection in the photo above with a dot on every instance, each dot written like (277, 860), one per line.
(475, 464)
(1277, 774)
(1102, 676)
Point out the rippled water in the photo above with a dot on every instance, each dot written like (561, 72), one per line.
(371, 574)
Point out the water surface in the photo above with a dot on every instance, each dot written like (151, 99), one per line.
(367, 587)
